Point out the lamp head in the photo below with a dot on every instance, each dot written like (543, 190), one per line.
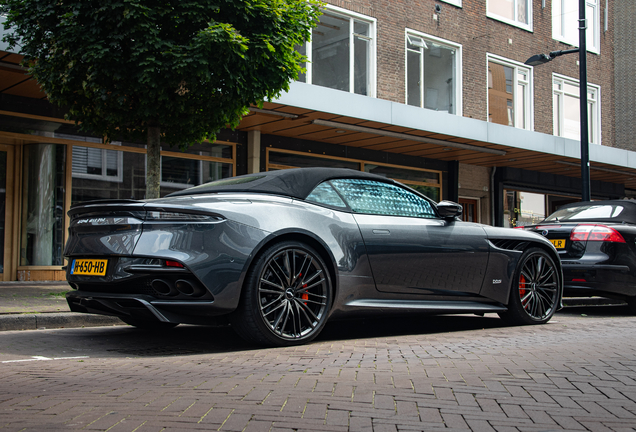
(538, 59)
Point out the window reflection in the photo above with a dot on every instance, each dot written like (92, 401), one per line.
(43, 217)
(127, 179)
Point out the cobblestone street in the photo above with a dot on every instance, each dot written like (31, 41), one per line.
(454, 373)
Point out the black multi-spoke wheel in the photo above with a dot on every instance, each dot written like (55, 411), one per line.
(536, 289)
(286, 296)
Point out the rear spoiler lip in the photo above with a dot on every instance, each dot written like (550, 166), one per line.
(134, 206)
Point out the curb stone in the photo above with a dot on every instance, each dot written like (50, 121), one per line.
(55, 321)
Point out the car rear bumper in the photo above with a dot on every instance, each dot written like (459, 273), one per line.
(598, 279)
(144, 307)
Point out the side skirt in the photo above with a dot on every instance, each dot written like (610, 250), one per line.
(428, 305)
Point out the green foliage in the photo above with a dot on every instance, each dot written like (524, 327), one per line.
(187, 67)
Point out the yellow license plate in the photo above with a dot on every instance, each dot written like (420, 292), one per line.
(89, 267)
(559, 244)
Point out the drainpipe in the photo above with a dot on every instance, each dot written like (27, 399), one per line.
(492, 196)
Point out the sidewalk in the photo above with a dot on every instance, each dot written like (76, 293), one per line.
(42, 305)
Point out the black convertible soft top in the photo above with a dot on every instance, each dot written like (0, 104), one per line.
(295, 182)
(596, 211)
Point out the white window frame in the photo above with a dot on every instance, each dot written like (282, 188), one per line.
(514, 22)
(373, 70)
(594, 114)
(593, 34)
(458, 66)
(457, 3)
(529, 105)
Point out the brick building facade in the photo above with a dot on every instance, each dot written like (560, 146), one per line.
(624, 22)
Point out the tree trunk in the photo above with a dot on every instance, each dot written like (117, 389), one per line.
(153, 162)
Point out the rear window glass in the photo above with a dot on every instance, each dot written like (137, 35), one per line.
(587, 212)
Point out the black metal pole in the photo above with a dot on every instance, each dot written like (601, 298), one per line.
(585, 143)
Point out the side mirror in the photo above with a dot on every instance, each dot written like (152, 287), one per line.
(449, 209)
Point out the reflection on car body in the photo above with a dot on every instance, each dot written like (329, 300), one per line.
(279, 253)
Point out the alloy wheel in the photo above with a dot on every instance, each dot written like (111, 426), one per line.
(538, 286)
(293, 293)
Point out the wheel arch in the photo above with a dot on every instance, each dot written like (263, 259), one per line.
(515, 248)
(301, 236)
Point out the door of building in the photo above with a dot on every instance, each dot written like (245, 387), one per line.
(469, 214)
(6, 211)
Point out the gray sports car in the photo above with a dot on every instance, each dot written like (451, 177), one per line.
(278, 253)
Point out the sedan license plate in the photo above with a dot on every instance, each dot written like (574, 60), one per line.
(89, 267)
(559, 244)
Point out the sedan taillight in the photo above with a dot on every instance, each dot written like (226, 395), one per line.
(594, 232)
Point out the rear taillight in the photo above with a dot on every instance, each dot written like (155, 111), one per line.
(174, 264)
(593, 232)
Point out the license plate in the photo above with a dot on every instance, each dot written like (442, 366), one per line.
(89, 267)
(559, 244)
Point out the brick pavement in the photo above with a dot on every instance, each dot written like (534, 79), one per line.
(448, 373)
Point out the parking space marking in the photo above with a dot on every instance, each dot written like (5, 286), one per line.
(42, 358)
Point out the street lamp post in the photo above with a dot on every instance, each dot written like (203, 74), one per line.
(539, 59)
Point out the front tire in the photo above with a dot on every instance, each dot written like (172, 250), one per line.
(534, 296)
(286, 296)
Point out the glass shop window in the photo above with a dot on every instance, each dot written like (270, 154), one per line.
(523, 208)
(42, 234)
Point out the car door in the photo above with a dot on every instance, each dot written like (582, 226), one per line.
(411, 249)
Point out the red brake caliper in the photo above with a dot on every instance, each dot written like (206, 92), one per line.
(304, 296)
(522, 286)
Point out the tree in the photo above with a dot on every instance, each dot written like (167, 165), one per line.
(176, 71)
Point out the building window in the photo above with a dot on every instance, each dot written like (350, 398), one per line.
(523, 208)
(567, 112)
(509, 93)
(43, 190)
(200, 163)
(98, 164)
(342, 53)
(433, 68)
(457, 3)
(565, 23)
(94, 162)
(515, 12)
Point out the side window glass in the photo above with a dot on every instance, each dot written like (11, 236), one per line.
(371, 197)
(325, 194)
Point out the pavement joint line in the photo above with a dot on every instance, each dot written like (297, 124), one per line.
(42, 358)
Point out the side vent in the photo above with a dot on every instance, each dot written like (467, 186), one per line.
(507, 244)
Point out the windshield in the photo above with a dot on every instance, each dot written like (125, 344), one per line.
(603, 211)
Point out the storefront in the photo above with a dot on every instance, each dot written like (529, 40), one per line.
(527, 197)
(46, 166)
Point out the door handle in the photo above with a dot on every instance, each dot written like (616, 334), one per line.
(381, 231)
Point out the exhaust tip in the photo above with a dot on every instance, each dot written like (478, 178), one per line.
(162, 287)
(188, 288)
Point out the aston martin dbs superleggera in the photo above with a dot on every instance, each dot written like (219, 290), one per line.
(278, 253)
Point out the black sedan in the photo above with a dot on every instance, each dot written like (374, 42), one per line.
(278, 253)
(596, 242)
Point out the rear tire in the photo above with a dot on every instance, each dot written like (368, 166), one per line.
(534, 296)
(286, 296)
(149, 325)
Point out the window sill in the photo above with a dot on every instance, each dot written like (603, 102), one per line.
(526, 27)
